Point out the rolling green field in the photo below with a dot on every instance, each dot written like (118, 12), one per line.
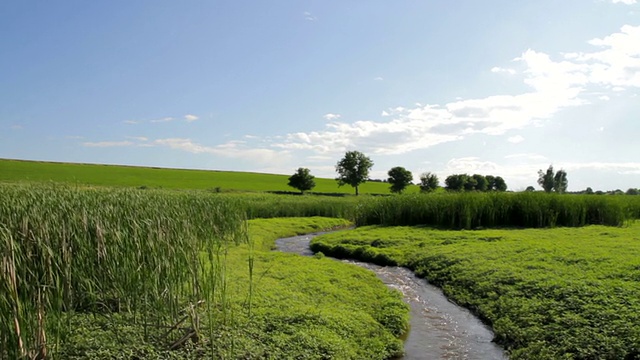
(562, 293)
(131, 176)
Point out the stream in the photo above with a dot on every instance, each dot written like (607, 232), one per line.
(439, 329)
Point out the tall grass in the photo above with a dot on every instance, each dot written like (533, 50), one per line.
(476, 210)
(66, 250)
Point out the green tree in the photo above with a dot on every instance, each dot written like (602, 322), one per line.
(399, 178)
(530, 189)
(353, 169)
(302, 180)
(456, 182)
(560, 182)
(429, 182)
(499, 184)
(482, 183)
(546, 179)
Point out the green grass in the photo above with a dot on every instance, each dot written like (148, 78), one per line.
(563, 293)
(131, 176)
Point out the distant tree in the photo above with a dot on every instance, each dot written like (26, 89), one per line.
(302, 180)
(546, 179)
(632, 191)
(481, 182)
(456, 182)
(499, 184)
(491, 182)
(530, 189)
(560, 182)
(429, 182)
(589, 191)
(353, 169)
(399, 178)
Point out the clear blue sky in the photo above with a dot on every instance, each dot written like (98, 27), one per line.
(492, 87)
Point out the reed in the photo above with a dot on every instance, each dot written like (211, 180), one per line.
(65, 251)
(484, 210)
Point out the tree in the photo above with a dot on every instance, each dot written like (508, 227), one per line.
(546, 179)
(560, 182)
(456, 182)
(499, 184)
(632, 191)
(530, 189)
(482, 184)
(589, 191)
(399, 178)
(302, 180)
(353, 169)
(429, 182)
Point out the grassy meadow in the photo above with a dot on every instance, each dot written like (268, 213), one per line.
(133, 176)
(555, 293)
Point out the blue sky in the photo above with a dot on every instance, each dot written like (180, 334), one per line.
(493, 87)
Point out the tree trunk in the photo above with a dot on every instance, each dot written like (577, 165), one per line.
(356, 191)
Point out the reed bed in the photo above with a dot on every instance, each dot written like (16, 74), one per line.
(65, 251)
(484, 210)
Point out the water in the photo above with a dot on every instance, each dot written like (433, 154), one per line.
(440, 329)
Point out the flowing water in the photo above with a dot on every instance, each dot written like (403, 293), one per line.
(439, 329)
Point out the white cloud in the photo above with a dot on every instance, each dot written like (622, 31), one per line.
(138, 138)
(131, 122)
(108, 144)
(162, 120)
(626, 2)
(379, 78)
(332, 116)
(515, 139)
(190, 118)
(554, 85)
(497, 69)
(232, 149)
(308, 16)
(604, 98)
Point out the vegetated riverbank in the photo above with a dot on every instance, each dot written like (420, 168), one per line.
(571, 293)
(108, 273)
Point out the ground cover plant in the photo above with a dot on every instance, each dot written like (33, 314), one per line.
(126, 273)
(133, 176)
(570, 293)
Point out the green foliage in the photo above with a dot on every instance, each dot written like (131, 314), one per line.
(353, 169)
(476, 182)
(399, 178)
(495, 209)
(549, 181)
(548, 293)
(429, 182)
(302, 180)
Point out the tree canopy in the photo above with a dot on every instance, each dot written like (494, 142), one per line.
(399, 178)
(429, 182)
(302, 180)
(550, 181)
(476, 182)
(353, 169)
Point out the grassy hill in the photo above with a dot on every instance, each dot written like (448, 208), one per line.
(133, 176)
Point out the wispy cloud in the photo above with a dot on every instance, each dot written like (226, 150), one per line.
(497, 69)
(554, 85)
(332, 116)
(379, 78)
(137, 138)
(190, 118)
(162, 120)
(108, 144)
(309, 17)
(232, 149)
(626, 2)
(515, 139)
(131, 122)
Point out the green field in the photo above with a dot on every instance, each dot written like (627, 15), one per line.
(132, 176)
(563, 293)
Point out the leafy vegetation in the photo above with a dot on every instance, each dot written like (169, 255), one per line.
(549, 181)
(302, 180)
(570, 293)
(429, 182)
(124, 273)
(475, 182)
(399, 178)
(353, 169)
(483, 210)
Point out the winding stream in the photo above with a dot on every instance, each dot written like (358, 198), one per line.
(439, 328)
